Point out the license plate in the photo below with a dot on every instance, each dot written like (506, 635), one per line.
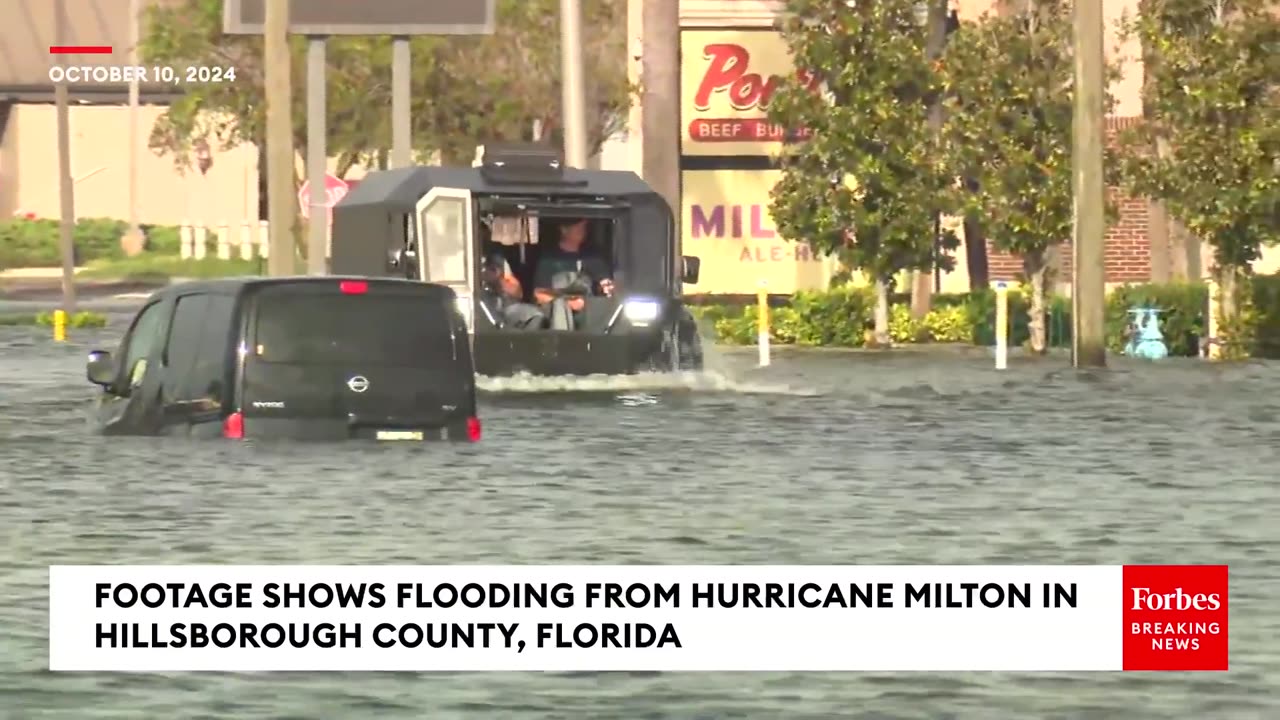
(399, 435)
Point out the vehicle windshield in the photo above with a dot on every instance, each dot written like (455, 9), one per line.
(324, 329)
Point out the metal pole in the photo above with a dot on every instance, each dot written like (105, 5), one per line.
(924, 286)
(1088, 292)
(279, 93)
(66, 186)
(660, 107)
(317, 158)
(133, 235)
(572, 84)
(401, 128)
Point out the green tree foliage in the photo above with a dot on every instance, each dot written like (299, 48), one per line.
(1213, 101)
(1010, 83)
(466, 90)
(865, 182)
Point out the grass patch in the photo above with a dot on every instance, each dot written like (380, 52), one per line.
(84, 319)
(161, 268)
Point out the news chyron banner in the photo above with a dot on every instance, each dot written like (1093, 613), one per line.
(637, 618)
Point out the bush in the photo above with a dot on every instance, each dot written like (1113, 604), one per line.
(1182, 316)
(84, 319)
(35, 243)
(1266, 316)
(841, 317)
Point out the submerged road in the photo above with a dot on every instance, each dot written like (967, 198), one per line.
(826, 457)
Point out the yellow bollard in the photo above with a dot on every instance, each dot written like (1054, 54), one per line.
(1002, 326)
(762, 323)
(1212, 349)
(60, 325)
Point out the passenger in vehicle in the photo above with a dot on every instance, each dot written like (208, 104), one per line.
(564, 266)
(503, 295)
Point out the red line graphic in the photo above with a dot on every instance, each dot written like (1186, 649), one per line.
(79, 49)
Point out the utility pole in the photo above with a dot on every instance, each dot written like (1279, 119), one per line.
(133, 239)
(281, 214)
(660, 106)
(66, 186)
(1088, 292)
(317, 158)
(572, 85)
(922, 289)
(401, 96)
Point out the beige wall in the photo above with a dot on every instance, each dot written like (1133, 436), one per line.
(100, 167)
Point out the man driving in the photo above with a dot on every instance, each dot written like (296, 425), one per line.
(503, 295)
(568, 257)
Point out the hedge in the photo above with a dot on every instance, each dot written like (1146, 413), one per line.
(842, 316)
(35, 242)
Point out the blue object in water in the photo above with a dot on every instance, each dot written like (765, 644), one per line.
(1145, 339)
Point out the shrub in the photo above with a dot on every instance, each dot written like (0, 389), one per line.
(840, 317)
(1182, 318)
(1266, 316)
(35, 242)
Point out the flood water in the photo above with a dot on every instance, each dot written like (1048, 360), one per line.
(825, 457)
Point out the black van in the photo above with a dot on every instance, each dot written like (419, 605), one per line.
(315, 358)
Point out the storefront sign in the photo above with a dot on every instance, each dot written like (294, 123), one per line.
(727, 224)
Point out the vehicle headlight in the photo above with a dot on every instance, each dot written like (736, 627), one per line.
(641, 312)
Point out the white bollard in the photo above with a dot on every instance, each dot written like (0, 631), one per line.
(1002, 326)
(762, 323)
(224, 242)
(201, 242)
(246, 241)
(186, 243)
(264, 238)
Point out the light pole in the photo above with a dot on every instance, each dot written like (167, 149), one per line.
(133, 240)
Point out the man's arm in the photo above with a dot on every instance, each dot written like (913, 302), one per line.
(542, 275)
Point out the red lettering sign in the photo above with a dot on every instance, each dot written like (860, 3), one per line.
(727, 73)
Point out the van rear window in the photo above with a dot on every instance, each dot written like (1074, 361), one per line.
(323, 329)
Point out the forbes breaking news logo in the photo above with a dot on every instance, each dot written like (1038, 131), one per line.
(1175, 617)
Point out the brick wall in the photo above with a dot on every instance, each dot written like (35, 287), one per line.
(1128, 252)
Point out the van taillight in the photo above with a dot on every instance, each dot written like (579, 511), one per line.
(473, 429)
(353, 287)
(233, 426)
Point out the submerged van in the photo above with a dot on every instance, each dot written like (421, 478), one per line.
(314, 358)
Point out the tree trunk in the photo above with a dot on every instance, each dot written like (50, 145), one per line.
(1034, 266)
(975, 247)
(882, 339)
(1226, 306)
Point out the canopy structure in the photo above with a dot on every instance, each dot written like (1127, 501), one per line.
(398, 190)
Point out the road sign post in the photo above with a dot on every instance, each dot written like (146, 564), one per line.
(318, 19)
(335, 188)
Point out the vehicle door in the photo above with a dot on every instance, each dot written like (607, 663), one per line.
(131, 406)
(445, 220)
(196, 361)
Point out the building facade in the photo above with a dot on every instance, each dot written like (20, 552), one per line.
(730, 53)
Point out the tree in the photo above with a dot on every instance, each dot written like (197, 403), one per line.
(465, 90)
(1009, 123)
(869, 175)
(1213, 104)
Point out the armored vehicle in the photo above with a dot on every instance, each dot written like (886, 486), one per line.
(558, 271)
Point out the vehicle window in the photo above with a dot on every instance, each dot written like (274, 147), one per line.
(143, 338)
(366, 330)
(197, 349)
(444, 250)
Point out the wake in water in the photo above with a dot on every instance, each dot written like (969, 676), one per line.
(705, 381)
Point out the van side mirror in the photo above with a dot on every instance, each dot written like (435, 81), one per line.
(692, 266)
(101, 369)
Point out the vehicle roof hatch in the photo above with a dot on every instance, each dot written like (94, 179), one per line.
(521, 164)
